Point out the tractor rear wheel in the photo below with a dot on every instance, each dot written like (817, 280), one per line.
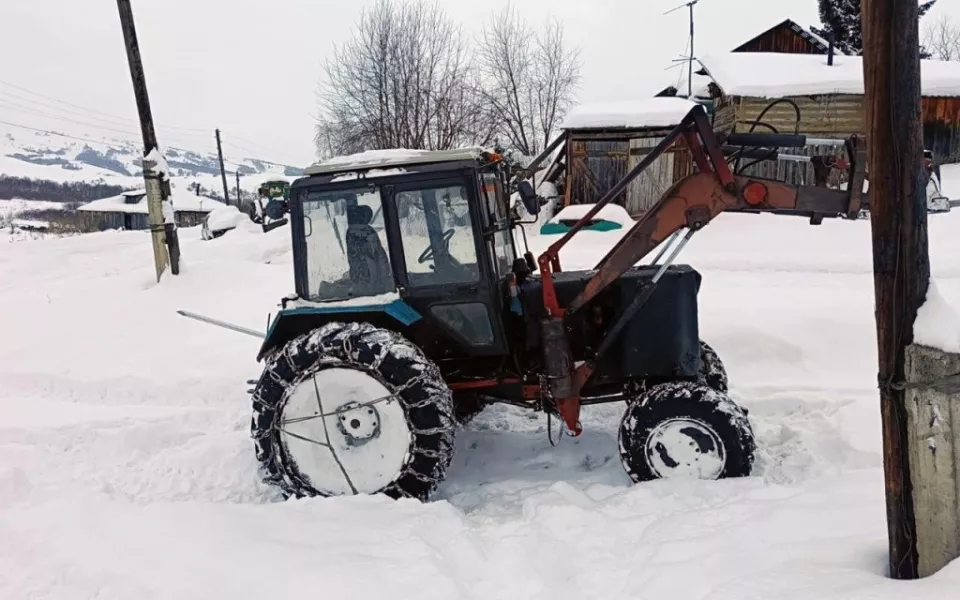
(466, 406)
(712, 372)
(685, 430)
(350, 408)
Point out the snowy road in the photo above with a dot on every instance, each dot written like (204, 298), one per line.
(126, 470)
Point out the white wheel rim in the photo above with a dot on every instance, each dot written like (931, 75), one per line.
(345, 432)
(685, 448)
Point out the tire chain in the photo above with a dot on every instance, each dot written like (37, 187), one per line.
(387, 345)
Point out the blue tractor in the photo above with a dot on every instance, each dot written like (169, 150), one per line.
(415, 308)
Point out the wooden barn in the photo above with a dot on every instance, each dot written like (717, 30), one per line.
(829, 99)
(129, 211)
(787, 37)
(604, 141)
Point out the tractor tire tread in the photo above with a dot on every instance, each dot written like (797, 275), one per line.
(386, 355)
(691, 400)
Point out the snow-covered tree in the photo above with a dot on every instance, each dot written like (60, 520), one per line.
(842, 18)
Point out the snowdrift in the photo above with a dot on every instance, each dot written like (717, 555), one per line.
(126, 468)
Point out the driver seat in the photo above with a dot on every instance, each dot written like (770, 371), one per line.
(369, 265)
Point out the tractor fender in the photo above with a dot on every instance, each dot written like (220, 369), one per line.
(290, 323)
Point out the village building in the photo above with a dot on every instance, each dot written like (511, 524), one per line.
(785, 79)
(604, 141)
(129, 211)
(790, 63)
(788, 37)
(805, 93)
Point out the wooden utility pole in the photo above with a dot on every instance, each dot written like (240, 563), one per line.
(223, 173)
(898, 216)
(162, 223)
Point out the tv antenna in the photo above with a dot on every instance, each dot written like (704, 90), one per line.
(690, 58)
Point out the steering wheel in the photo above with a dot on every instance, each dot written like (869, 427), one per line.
(428, 253)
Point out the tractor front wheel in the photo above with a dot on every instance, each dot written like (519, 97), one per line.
(350, 408)
(712, 372)
(685, 430)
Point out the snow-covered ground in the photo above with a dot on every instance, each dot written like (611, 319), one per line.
(126, 470)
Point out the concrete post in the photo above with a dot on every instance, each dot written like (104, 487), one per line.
(933, 446)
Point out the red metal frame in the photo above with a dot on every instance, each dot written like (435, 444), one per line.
(691, 202)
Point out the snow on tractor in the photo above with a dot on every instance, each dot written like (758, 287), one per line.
(414, 309)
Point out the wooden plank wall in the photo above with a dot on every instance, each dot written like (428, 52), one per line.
(792, 172)
(596, 165)
(833, 117)
(825, 115)
(780, 39)
(941, 128)
(598, 160)
(840, 116)
(647, 189)
(103, 221)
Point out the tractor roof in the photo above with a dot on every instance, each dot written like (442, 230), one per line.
(392, 159)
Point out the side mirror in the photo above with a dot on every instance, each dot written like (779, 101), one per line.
(529, 197)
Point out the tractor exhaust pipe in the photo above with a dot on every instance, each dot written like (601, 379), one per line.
(223, 324)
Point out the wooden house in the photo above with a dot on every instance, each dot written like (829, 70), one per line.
(603, 142)
(786, 37)
(129, 211)
(829, 98)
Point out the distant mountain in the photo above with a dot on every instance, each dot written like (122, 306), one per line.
(89, 162)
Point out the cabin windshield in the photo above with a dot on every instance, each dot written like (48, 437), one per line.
(347, 253)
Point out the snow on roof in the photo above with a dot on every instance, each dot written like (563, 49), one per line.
(647, 112)
(369, 174)
(774, 75)
(816, 37)
(181, 202)
(803, 31)
(30, 224)
(391, 157)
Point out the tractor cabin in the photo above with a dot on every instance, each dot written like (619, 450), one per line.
(604, 141)
(828, 91)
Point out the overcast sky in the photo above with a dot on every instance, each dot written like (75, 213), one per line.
(251, 67)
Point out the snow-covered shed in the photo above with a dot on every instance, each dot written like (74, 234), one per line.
(604, 141)
(129, 211)
(830, 97)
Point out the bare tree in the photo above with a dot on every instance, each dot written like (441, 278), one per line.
(942, 39)
(403, 81)
(529, 79)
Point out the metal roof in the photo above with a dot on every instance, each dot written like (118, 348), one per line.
(387, 159)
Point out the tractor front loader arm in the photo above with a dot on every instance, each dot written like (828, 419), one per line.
(690, 203)
(695, 201)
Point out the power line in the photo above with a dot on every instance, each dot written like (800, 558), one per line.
(262, 148)
(114, 121)
(5, 96)
(4, 103)
(26, 109)
(92, 110)
(63, 135)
